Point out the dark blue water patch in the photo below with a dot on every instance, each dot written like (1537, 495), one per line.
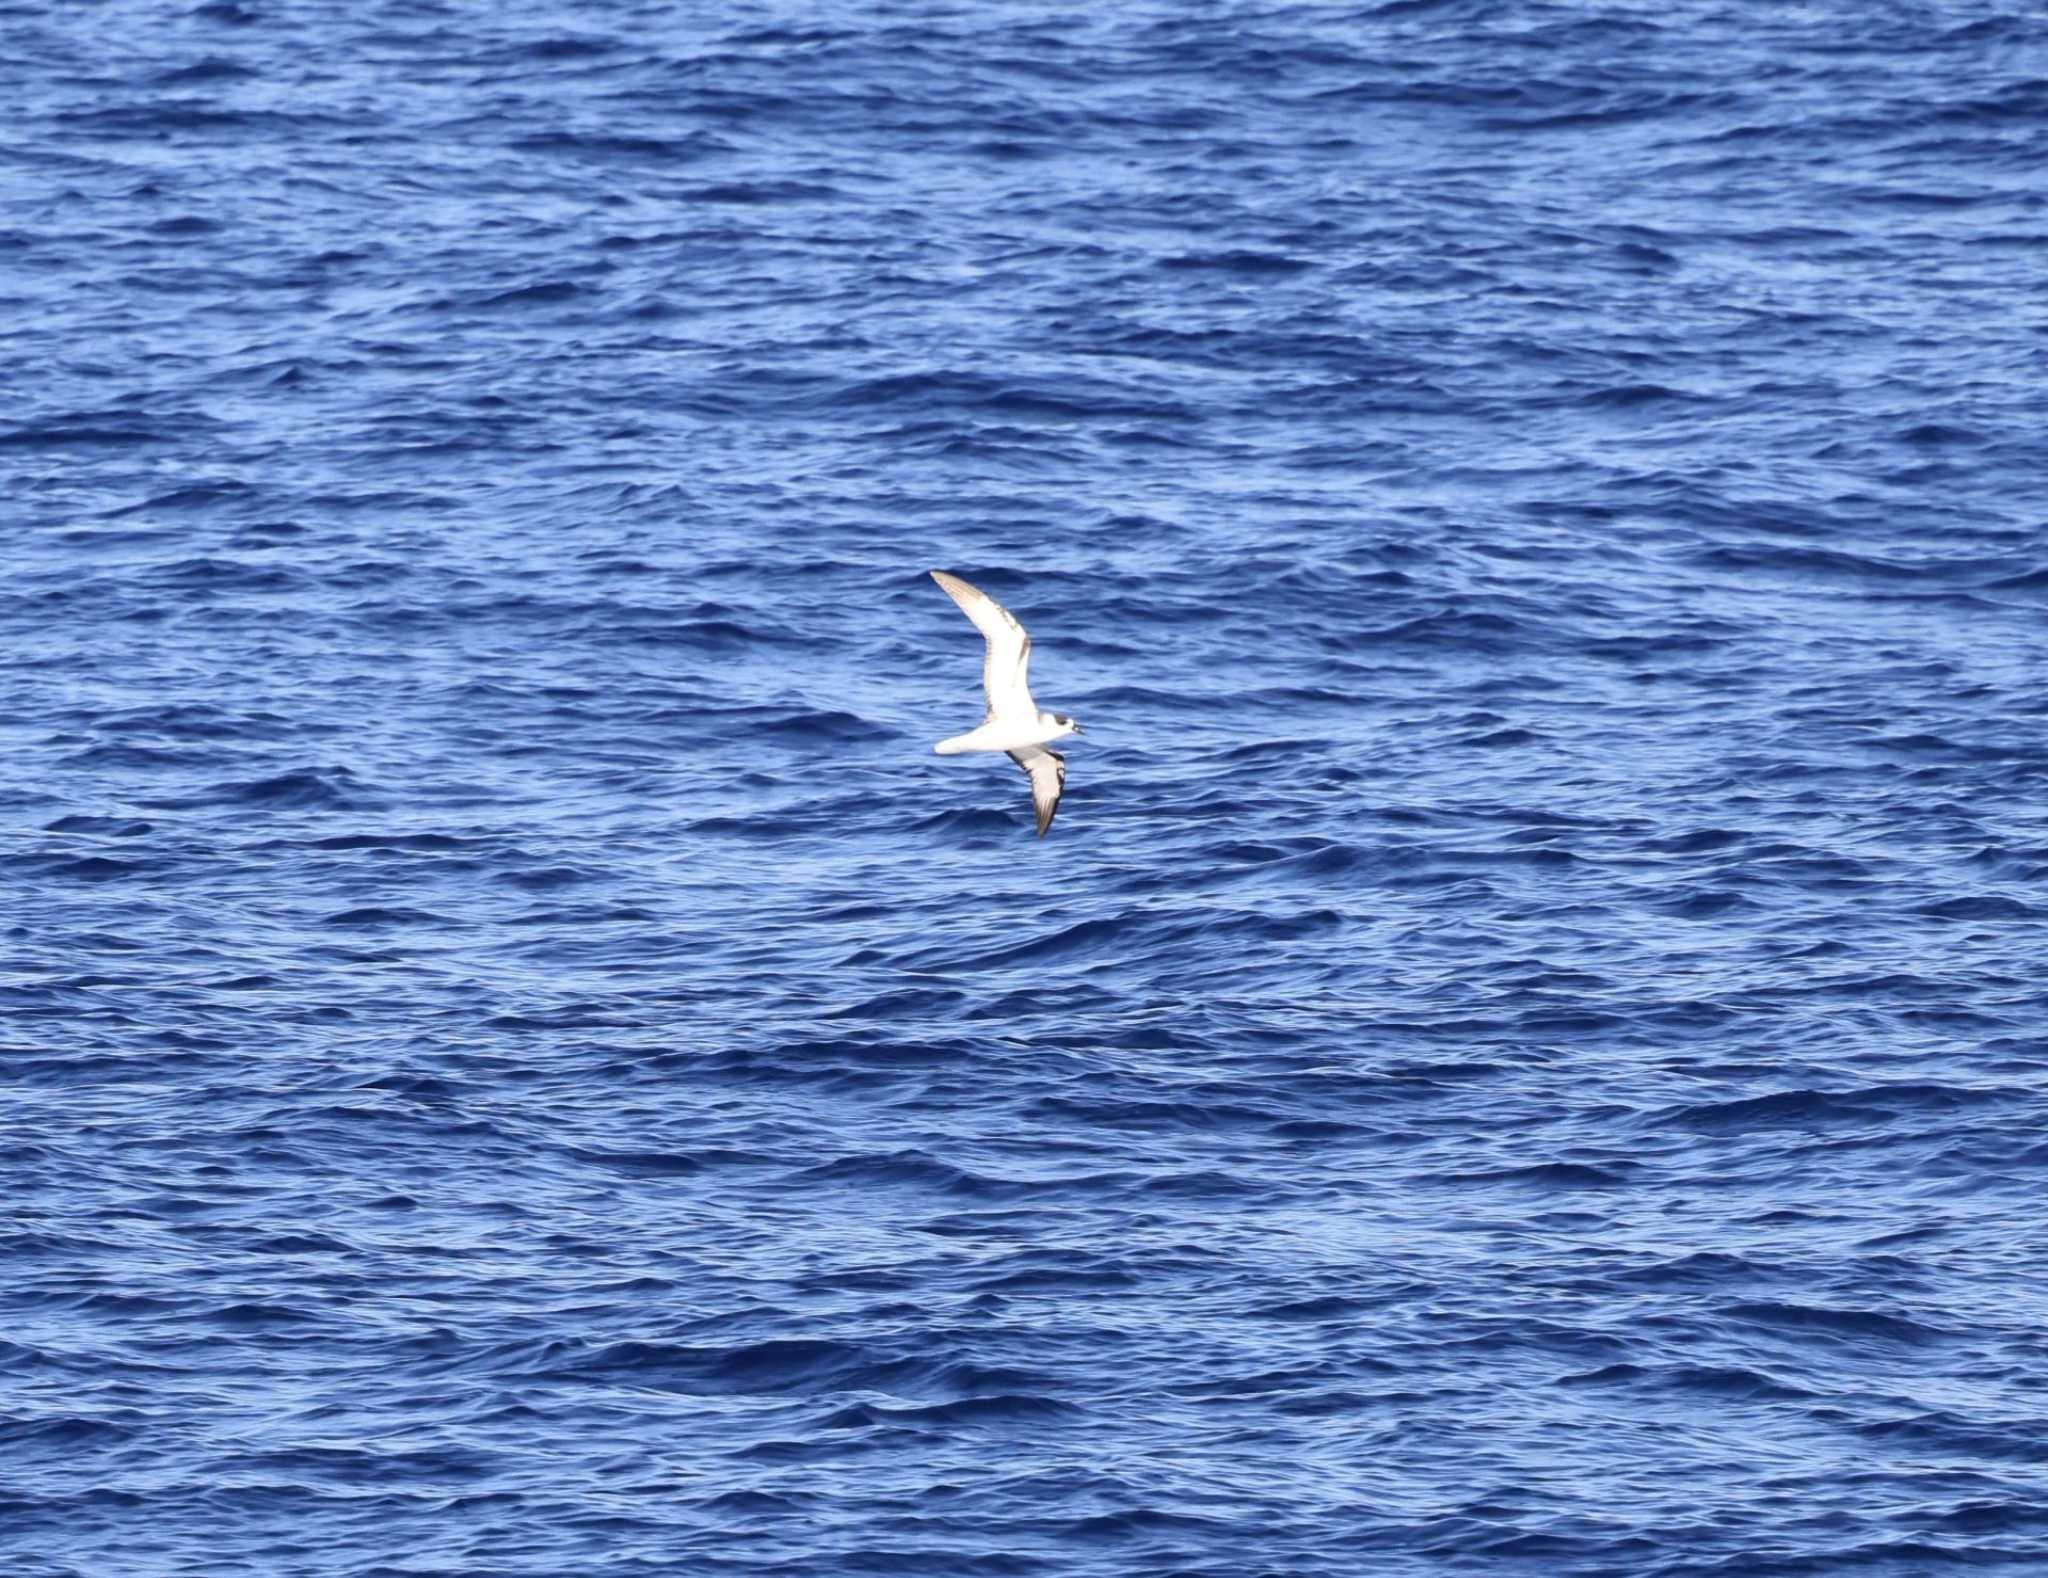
(300, 788)
(608, 149)
(91, 868)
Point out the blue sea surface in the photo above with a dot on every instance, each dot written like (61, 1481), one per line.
(1526, 1049)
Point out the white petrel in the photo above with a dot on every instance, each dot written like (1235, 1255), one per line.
(1013, 724)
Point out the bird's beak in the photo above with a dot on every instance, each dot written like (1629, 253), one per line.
(1079, 730)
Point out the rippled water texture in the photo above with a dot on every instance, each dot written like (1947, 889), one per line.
(1525, 1050)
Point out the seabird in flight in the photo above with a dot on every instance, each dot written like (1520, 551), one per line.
(1013, 724)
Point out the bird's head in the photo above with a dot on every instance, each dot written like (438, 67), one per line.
(1061, 722)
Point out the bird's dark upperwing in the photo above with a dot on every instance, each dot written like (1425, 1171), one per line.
(1047, 771)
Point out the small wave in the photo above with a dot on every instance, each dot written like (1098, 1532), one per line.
(300, 789)
(1000, 1410)
(606, 147)
(1808, 1108)
(1238, 262)
(371, 916)
(1817, 1321)
(1550, 1175)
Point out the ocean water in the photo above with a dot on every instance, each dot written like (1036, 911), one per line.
(1526, 1050)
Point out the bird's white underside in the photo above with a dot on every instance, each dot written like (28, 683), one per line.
(999, 736)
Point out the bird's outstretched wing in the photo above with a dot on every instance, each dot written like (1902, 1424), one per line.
(1006, 654)
(1047, 771)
